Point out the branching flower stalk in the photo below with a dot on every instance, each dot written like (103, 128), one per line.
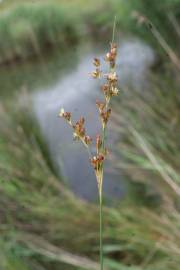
(109, 89)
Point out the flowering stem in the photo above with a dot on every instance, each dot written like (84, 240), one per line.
(109, 89)
(112, 69)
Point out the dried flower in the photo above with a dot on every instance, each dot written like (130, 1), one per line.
(97, 162)
(100, 105)
(111, 56)
(105, 88)
(96, 62)
(65, 115)
(114, 91)
(96, 74)
(105, 116)
(79, 130)
(87, 140)
(112, 77)
(108, 57)
(113, 50)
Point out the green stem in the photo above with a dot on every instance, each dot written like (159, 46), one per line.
(101, 204)
(103, 137)
(101, 228)
(114, 28)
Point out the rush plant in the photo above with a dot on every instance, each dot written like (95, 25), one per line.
(109, 89)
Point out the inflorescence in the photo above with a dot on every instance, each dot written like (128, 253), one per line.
(109, 89)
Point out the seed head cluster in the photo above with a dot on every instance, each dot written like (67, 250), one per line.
(109, 89)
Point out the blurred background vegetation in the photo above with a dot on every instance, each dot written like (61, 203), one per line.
(43, 225)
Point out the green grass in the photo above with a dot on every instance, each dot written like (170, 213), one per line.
(27, 29)
(149, 144)
(41, 221)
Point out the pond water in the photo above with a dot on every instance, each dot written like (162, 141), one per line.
(64, 81)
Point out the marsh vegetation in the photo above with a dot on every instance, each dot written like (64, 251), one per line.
(45, 223)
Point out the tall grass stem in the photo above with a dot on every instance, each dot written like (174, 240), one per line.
(101, 228)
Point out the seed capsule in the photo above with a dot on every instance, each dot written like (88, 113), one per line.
(96, 74)
(96, 62)
(105, 116)
(88, 140)
(97, 161)
(114, 91)
(65, 115)
(100, 105)
(79, 130)
(112, 77)
(111, 56)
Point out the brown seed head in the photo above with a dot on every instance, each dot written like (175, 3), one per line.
(112, 77)
(65, 115)
(113, 50)
(105, 116)
(79, 130)
(96, 62)
(100, 105)
(114, 91)
(88, 139)
(96, 74)
(108, 57)
(105, 88)
(111, 56)
(97, 161)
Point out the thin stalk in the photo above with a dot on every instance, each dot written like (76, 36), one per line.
(101, 206)
(114, 28)
(103, 137)
(101, 228)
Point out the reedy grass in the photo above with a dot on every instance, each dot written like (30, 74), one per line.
(26, 29)
(35, 207)
(150, 155)
(22, 203)
(137, 237)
